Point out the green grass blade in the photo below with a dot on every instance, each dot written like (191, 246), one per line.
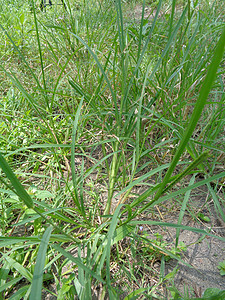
(172, 17)
(181, 227)
(216, 202)
(110, 236)
(120, 25)
(147, 193)
(22, 57)
(24, 196)
(77, 261)
(40, 54)
(22, 293)
(204, 92)
(112, 179)
(37, 281)
(183, 208)
(187, 171)
(21, 192)
(74, 134)
(40, 111)
(169, 43)
(9, 284)
(143, 52)
(103, 73)
(21, 269)
(134, 295)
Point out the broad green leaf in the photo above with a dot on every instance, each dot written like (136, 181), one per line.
(204, 218)
(221, 267)
(213, 294)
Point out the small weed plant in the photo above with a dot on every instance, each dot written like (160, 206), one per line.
(109, 118)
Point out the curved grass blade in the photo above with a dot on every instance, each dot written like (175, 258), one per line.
(21, 192)
(10, 283)
(22, 293)
(193, 165)
(203, 95)
(77, 261)
(190, 187)
(181, 227)
(147, 193)
(19, 268)
(142, 53)
(103, 73)
(99, 66)
(36, 286)
(22, 57)
(24, 196)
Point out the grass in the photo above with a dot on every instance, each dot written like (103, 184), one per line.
(105, 120)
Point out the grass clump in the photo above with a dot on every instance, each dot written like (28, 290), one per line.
(105, 122)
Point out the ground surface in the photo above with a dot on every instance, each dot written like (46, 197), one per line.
(204, 257)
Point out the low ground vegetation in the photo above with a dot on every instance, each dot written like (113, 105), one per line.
(112, 114)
